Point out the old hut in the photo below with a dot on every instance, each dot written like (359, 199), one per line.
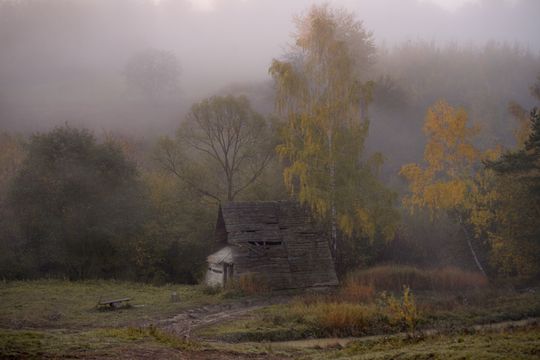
(276, 241)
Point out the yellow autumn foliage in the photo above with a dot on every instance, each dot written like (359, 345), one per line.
(444, 183)
(323, 103)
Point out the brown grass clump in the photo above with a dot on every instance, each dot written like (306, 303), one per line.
(394, 277)
(450, 278)
(331, 315)
(249, 284)
(336, 318)
(353, 291)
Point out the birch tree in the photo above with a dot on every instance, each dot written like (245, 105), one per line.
(323, 98)
(447, 181)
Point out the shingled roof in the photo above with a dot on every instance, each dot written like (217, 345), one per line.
(277, 240)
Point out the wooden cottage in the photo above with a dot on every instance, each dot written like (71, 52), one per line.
(275, 241)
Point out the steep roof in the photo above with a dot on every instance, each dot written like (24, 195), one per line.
(250, 217)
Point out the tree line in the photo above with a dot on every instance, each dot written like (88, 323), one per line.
(82, 206)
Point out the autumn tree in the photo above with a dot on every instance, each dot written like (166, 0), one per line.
(446, 182)
(221, 149)
(323, 97)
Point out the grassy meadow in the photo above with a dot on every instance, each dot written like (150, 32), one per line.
(439, 314)
(58, 304)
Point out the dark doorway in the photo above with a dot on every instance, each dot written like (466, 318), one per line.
(228, 271)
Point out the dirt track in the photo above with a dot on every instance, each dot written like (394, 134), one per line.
(187, 321)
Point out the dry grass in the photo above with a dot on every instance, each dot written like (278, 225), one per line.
(248, 284)
(334, 316)
(337, 318)
(394, 277)
(353, 291)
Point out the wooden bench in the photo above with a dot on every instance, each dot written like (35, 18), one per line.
(115, 303)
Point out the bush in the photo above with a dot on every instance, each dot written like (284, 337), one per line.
(402, 312)
(394, 277)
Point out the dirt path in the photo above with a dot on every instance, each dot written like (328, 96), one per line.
(189, 320)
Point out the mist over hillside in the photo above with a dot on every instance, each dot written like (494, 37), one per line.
(64, 61)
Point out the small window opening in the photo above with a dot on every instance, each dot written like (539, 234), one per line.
(265, 243)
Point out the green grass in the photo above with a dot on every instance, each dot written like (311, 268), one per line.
(52, 344)
(57, 304)
(477, 307)
(504, 343)
(55, 318)
(268, 324)
(508, 344)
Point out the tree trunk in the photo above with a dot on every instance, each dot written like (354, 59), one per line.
(469, 243)
(476, 260)
(333, 230)
(333, 212)
(230, 196)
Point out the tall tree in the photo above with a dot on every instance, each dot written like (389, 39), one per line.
(515, 212)
(506, 209)
(78, 203)
(221, 149)
(446, 182)
(323, 99)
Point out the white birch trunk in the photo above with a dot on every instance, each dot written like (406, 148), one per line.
(469, 243)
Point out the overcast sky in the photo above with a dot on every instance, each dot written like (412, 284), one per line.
(79, 48)
(236, 39)
(450, 5)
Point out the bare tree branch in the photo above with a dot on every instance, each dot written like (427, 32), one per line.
(230, 136)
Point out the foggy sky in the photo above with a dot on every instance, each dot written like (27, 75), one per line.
(237, 39)
(69, 54)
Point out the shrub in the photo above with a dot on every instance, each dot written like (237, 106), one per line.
(402, 312)
(394, 277)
